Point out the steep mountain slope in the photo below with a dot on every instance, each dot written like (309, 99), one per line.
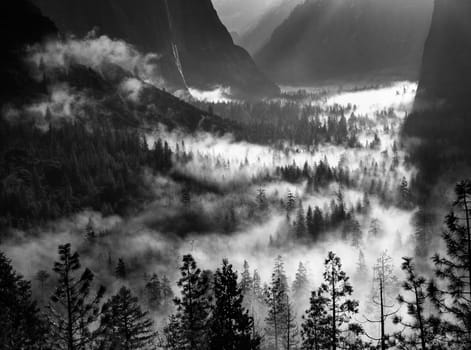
(71, 90)
(446, 67)
(348, 39)
(240, 15)
(194, 46)
(258, 35)
(17, 18)
(440, 120)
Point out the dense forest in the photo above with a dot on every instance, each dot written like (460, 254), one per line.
(159, 191)
(217, 309)
(48, 175)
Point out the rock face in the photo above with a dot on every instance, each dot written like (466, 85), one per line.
(446, 70)
(195, 47)
(440, 119)
(348, 40)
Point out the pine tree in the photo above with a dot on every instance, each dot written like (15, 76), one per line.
(257, 286)
(337, 290)
(290, 203)
(317, 225)
(193, 306)
(404, 194)
(454, 269)
(423, 330)
(361, 272)
(315, 329)
(124, 325)
(289, 327)
(186, 196)
(262, 199)
(276, 298)
(120, 270)
(246, 281)
(153, 290)
(384, 286)
(375, 228)
(310, 221)
(166, 291)
(90, 234)
(21, 326)
(42, 277)
(72, 310)
(172, 334)
(301, 284)
(230, 324)
(300, 223)
(352, 230)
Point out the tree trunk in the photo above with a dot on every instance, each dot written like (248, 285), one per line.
(334, 325)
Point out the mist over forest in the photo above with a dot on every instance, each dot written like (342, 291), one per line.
(253, 175)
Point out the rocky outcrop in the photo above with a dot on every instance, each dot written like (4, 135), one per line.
(195, 47)
(445, 77)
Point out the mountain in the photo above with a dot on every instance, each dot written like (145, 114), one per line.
(440, 121)
(446, 69)
(240, 15)
(16, 20)
(93, 93)
(348, 40)
(195, 48)
(257, 36)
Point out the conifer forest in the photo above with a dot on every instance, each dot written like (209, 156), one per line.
(235, 175)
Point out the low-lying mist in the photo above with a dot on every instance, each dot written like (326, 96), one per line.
(210, 206)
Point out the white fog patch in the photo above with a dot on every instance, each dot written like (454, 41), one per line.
(219, 94)
(61, 103)
(131, 88)
(399, 96)
(98, 53)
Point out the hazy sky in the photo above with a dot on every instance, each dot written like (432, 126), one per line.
(240, 15)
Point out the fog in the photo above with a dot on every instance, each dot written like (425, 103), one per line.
(155, 238)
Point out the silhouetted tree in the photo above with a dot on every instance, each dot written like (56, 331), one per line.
(315, 329)
(337, 289)
(384, 286)
(153, 291)
(120, 270)
(278, 321)
(193, 307)
(246, 281)
(454, 269)
(21, 326)
(123, 324)
(72, 310)
(231, 326)
(422, 330)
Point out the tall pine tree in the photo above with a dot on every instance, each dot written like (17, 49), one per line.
(193, 307)
(453, 295)
(72, 309)
(230, 324)
(337, 289)
(21, 326)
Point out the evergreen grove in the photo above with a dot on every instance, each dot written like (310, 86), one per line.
(217, 309)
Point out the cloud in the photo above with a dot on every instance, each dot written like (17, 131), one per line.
(131, 88)
(97, 53)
